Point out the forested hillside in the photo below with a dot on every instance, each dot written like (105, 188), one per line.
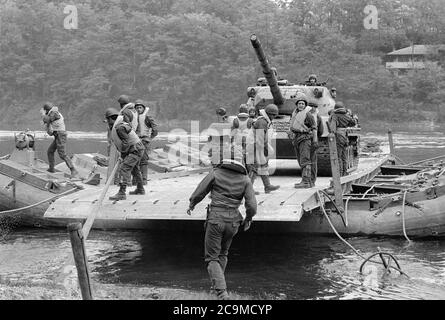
(188, 57)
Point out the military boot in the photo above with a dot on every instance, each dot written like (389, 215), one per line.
(305, 179)
(268, 188)
(139, 189)
(121, 193)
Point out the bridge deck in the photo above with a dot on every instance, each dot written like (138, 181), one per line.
(167, 199)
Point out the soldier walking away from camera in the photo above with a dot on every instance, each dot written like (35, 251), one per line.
(262, 146)
(131, 148)
(314, 146)
(338, 122)
(147, 130)
(241, 131)
(303, 133)
(55, 126)
(128, 111)
(228, 185)
(241, 126)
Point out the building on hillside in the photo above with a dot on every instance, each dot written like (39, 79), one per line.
(414, 57)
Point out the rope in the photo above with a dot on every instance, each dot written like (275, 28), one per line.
(346, 209)
(350, 246)
(372, 187)
(403, 216)
(38, 203)
(335, 206)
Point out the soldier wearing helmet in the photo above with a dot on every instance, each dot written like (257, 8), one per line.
(252, 113)
(314, 146)
(338, 121)
(259, 155)
(241, 127)
(221, 113)
(228, 184)
(131, 149)
(147, 130)
(128, 111)
(55, 126)
(303, 133)
(312, 80)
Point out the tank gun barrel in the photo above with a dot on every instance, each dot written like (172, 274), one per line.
(268, 72)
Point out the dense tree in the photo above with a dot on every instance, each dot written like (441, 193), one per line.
(187, 57)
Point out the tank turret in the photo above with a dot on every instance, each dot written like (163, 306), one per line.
(269, 73)
(284, 94)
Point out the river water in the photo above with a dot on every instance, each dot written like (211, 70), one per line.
(260, 266)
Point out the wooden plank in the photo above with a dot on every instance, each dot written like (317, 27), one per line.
(335, 169)
(113, 158)
(23, 174)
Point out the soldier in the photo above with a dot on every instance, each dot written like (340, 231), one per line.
(303, 133)
(262, 136)
(338, 121)
(251, 95)
(252, 113)
(334, 93)
(147, 130)
(128, 111)
(241, 132)
(221, 113)
(312, 81)
(241, 125)
(228, 185)
(131, 148)
(314, 146)
(55, 126)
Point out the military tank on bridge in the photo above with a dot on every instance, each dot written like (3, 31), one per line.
(282, 93)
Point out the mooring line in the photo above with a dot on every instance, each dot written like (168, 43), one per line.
(355, 250)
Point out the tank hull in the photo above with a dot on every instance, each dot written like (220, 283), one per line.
(285, 150)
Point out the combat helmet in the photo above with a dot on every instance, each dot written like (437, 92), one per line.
(111, 112)
(312, 76)
(271, 109)
(301, 97)
(123, 99)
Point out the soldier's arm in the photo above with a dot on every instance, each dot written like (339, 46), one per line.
(250, 201)
(123, 131)
(150, 122)
(51, 117)
(351, 121)
(202, 190)
(311, 124)
(128, 116)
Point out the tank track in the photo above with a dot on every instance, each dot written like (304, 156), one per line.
(324, 160)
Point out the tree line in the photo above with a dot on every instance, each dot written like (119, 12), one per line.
(188, 57)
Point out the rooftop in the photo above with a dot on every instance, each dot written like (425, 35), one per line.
(417, 49)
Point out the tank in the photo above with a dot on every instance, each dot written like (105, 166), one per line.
(271, 89)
